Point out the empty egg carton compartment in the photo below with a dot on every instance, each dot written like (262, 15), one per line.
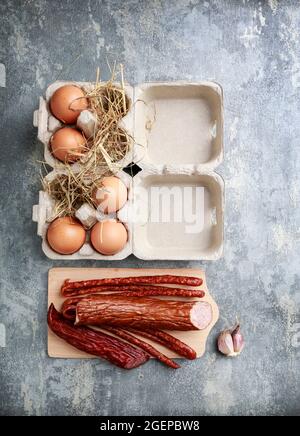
(179, 123)
(178, 216)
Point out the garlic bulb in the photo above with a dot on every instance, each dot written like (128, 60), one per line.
(231, 341)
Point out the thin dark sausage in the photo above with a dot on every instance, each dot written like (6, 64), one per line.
(168, 341)
(143, 313)
(97, 343)
(139, 289)
(143, 345)
(70, 292)
(163, 293)
(165, 279)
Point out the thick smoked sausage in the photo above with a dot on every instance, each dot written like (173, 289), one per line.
(143, 313)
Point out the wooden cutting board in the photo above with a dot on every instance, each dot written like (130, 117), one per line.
(57, 347)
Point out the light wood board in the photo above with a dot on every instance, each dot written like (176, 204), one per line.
(57, 347)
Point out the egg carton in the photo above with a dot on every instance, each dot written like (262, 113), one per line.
(178, 143)
(47, 124)
(43, 214)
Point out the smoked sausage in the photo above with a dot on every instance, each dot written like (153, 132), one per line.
(143, 313)
(168, 341)
(165, 279)
(97, 343)
(144, 345)
(137, 290)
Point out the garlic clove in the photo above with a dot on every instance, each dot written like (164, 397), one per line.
(231, 341)
(238, 340)
(225, 343)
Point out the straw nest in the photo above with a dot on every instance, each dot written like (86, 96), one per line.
(105, 150)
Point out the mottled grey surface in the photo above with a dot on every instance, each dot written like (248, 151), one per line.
(252, 49)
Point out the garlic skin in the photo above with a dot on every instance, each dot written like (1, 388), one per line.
(238, 340)
(231, 342)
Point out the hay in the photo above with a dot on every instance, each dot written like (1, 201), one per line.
(106, 150)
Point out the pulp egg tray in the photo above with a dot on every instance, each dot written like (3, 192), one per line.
(178, 142)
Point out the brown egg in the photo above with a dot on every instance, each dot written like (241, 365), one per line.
(67, 102)
(110, 195)
(66, 235)
(108, 237)
(66, 143)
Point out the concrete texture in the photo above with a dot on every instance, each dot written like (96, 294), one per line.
(252, 49)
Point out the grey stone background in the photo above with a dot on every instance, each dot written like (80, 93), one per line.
(252, 49)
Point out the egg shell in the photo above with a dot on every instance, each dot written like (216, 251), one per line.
(66, 235)
(66, 143)
(67, 102)
(109, 237)
(111, 195)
